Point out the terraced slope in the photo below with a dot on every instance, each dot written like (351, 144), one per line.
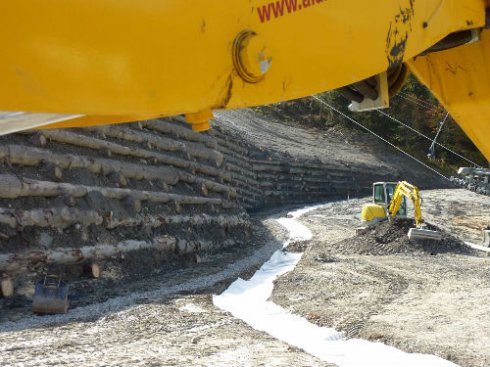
(274, 163)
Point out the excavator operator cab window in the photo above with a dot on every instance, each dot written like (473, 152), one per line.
(379, 194)
(402, 212)
(390, 189)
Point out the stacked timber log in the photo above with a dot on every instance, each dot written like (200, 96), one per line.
(85, 197)
(265, 179)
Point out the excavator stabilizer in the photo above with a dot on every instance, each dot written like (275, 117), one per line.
(50, 296)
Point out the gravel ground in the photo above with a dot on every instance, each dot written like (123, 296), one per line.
(420, 299)
(183, 331)
(170, 321)
(410, 299)
(459, 211)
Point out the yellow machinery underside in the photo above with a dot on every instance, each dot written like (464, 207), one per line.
(460, 79)
(124, 60)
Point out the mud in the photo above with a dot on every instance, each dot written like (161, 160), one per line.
(135, 272)
(164, 320)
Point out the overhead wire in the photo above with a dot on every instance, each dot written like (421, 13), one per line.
(379, 137)
(428, 106)
(432, 148)
(416, 100)
(426, 137)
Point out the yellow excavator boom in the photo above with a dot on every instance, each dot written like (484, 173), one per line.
(123, 60)
(405, 189)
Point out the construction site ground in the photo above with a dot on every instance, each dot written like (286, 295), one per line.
(169, 321)
(420, 298)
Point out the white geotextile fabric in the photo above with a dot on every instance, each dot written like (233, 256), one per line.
(248, 301)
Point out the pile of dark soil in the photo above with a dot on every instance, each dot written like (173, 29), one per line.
(391, 238)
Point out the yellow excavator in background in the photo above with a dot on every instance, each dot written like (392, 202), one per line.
(390, 201)
(79, 63)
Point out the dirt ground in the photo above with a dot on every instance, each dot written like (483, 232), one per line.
(166, 320)
(183, 331)
(419, 297)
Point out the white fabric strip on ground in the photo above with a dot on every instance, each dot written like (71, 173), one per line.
(248, 301)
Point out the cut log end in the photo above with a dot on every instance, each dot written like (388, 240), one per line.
(7, 286)
(204, 190)
(196, 259)
(92, 270)
(123, 181)
(58, 173)
(38, 140)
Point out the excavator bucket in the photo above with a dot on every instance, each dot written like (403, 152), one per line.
(424, 234)
(50, 296)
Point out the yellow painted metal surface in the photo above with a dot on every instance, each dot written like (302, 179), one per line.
(94, 120)
(405, 189)
(460, 79)
(166, 57)
(371, 212)
(199, 120)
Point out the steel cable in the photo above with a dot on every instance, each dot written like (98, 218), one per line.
(380, 137)
(426, 137)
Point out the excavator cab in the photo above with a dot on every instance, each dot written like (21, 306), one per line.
(383, 193)
(377, 211)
